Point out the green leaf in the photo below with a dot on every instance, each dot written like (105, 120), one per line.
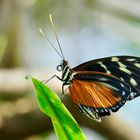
(64, 124)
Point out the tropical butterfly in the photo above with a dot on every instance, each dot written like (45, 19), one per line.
(100, 86)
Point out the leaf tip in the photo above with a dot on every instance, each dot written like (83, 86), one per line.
(35, 81)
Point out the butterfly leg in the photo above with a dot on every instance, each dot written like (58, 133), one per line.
(63, 91)
(46, 81)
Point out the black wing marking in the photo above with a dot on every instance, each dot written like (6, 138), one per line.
(126, 68)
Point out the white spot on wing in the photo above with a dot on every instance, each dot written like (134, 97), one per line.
(102, 65)
(96, 110)
(102, 110)
(121, 64)
(131, 95)
(106, 110)
(123, 93)
(125, 70)
(137, 65)
(122, 79)
(115, 59)
(131, 59)
(133, 82)
(117, 106)
(114, 108)
(134, 93)
(103, 79)
(122, 85)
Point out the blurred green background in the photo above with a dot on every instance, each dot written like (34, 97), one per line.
(87, 29)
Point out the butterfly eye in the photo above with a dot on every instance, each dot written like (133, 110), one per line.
(59, 68)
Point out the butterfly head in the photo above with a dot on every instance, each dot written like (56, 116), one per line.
(62, 65)
(66, 72)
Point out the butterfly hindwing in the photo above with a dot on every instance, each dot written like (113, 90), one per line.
(97, 94)
(126, 68)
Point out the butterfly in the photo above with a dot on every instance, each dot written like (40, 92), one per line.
(101, 86)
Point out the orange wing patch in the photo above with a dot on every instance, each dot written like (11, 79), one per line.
(92, 94)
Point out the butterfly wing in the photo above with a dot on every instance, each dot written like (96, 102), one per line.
(97, 94)
(126, 68)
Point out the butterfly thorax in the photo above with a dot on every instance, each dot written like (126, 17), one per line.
(67, 73)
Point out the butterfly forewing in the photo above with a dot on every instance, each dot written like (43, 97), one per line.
(126, 68)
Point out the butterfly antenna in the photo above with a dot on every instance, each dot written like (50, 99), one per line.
(45, 35)
(56, 36)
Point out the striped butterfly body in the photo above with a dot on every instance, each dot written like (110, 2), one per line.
(102, 86)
